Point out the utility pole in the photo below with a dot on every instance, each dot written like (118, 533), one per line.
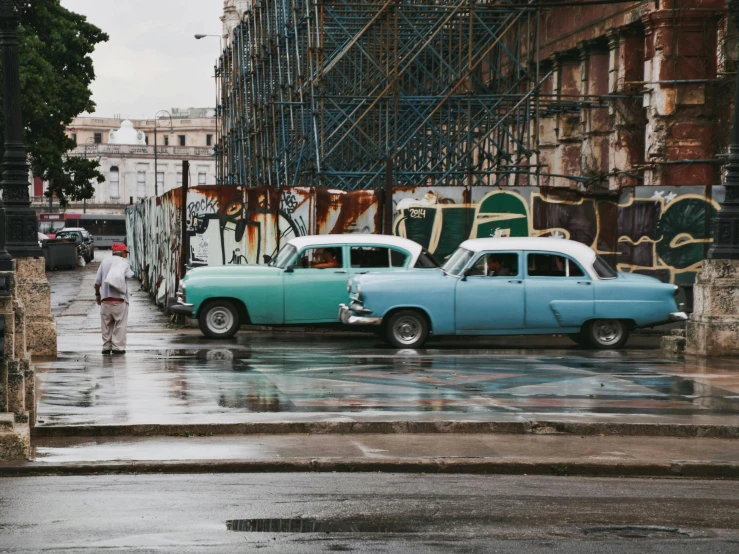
(185, 254)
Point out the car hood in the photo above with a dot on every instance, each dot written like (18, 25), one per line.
(231, 270)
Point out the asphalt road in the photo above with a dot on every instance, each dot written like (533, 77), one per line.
(367, 513)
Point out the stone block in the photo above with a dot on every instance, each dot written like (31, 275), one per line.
(30, 268)
(41, 337)
(36, 297)
(16, 393)
(714, 328)
(673, 347)
(15, 444)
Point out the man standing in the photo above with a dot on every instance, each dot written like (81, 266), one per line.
(113, 302)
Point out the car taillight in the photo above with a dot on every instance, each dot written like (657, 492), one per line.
(676, 291)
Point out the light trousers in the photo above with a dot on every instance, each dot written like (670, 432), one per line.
(114, 319)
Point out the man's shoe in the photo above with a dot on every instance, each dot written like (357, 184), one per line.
(107, 351)
(118, 352)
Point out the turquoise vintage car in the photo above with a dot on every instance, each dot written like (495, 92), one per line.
(303, 285)
(512, 286)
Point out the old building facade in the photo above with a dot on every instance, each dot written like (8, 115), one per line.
(125, 150)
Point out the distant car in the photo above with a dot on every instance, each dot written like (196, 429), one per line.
(85, 242)
(303, 285)
(512, 286)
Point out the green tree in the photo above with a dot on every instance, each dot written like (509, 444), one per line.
(56, 72)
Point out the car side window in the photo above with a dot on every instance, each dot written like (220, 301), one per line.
(552, 265)
(320, 258)
(373, 257)
(495, 264)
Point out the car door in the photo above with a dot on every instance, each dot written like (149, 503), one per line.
(491, 295)
(316, 284)
(559, 293)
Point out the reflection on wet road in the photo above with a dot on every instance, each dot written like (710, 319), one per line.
(188, 380)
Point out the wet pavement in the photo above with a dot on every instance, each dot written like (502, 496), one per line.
(174, 375)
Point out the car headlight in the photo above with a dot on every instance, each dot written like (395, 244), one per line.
(359, 292)
(349, 285)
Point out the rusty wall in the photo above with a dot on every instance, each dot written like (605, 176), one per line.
(663, 232)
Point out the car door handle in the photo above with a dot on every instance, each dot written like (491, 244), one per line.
(583, 283)
(342, 271)
(515, 282)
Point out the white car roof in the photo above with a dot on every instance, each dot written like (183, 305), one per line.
(580, 252)
(385, 240)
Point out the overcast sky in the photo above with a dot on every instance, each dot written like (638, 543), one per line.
(152, 62)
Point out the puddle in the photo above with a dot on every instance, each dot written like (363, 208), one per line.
(638, 532)
(308, 525)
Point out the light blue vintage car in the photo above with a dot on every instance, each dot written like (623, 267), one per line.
(512, 286)
(303, 285)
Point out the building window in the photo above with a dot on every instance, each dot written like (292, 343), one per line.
(208, 140)
(201, 178)
(98, 138)
(115, 191)
(182, 140)
(166, 140)
(160, 182)
(141, 184)
(179, 179)
(74, 137)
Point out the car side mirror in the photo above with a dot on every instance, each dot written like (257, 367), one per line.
(290, 269)
(267, 259)
(465, 273)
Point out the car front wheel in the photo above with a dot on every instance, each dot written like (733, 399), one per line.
(219, 319)
(606, 333)
(407, 329)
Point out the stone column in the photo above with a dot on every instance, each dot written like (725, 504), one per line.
(17, 380)
(680, 54)
(713, 329)
(569, 129)
(34, 291)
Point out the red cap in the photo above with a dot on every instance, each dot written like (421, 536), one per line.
(120, 247)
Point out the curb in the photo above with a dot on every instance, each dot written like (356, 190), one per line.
(476, 466)
(543, 427)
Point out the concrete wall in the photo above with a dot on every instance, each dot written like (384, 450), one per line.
(664, 232)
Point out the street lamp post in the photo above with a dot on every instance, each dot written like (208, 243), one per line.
(215, 76)
(156, 153)
(726, 237)
(18, 222)
(89, 142)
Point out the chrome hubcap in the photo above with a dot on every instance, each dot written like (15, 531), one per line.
(407, 330)
(220, 320)
(608, 331)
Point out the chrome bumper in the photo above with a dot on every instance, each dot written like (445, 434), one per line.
(180, 308)
(346, 317)
(679, 316)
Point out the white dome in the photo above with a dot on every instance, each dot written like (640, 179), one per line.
(127, 135)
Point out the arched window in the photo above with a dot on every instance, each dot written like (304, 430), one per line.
(115, 190)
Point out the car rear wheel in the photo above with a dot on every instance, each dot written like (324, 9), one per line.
(606, 333)
(219, 319)
(407, 329)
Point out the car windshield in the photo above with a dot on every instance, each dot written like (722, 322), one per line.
(604, 270)
(285, 256)
(68, 235)
(458, 261)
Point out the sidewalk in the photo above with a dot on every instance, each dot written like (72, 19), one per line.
(418, 453)
(328, 401)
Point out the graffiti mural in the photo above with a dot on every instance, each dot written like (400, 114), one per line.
(660, 232)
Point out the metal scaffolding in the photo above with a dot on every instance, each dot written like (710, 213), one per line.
(354, 94)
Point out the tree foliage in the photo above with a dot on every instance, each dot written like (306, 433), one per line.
(56, 72)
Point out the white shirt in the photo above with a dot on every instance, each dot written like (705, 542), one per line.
(105, 290)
